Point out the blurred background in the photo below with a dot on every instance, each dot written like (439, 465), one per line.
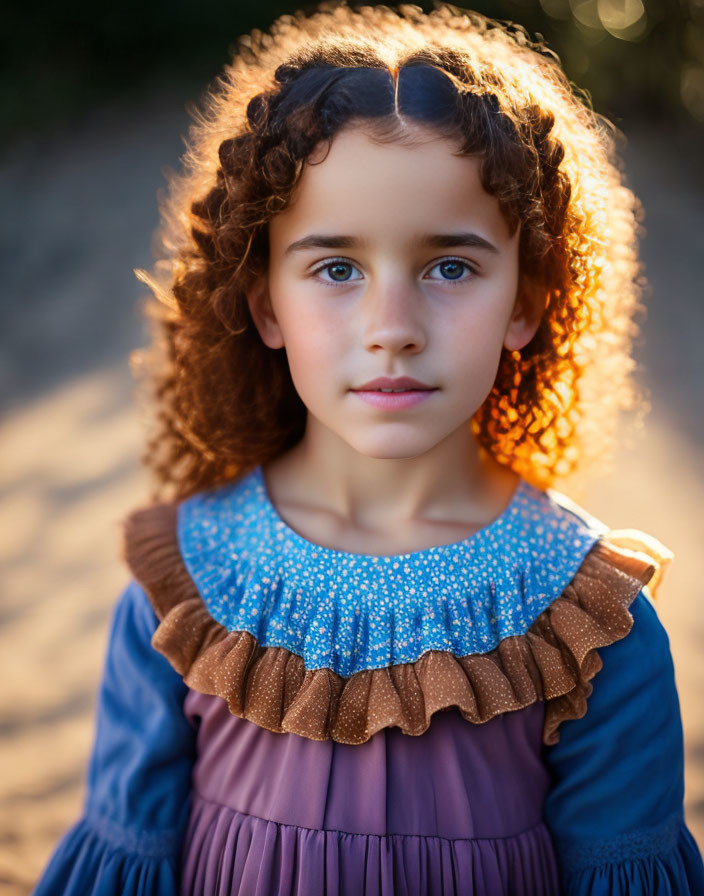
(94, 112)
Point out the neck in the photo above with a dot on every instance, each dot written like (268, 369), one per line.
(456, 481)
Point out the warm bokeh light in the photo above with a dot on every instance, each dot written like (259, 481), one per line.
(625, 19)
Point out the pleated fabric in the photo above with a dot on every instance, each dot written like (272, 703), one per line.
(233, 854)
(457, 810)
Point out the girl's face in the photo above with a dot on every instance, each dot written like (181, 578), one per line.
(392, 261)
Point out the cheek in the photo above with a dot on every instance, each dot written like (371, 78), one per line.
(479, 333)
(475, 344)
(478, 366)
(312, 342)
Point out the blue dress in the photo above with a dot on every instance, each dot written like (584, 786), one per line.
(262, 729)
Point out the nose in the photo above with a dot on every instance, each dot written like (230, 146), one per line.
(393, 317)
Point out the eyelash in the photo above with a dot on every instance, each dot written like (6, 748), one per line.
(336, 283)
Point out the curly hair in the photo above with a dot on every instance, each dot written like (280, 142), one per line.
(224, 401)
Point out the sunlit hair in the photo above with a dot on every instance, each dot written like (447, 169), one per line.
(226, 402)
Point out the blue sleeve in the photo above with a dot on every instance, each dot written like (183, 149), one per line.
(128, 840)
(615, 809)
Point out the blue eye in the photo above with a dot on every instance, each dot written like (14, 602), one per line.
(453, 267)
(337, 269)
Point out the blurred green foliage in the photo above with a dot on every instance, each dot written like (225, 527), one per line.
(642, 57)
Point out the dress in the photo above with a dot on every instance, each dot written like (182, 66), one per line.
(495, 716)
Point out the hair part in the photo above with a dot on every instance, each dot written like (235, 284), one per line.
(225, 402)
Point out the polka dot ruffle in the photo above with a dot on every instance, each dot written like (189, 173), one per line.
(553, 660)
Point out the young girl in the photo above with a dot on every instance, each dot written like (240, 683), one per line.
(367, 647)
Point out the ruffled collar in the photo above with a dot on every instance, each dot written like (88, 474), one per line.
(326, 644)
(350, 611)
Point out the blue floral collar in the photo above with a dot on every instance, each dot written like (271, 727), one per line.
(349, 612)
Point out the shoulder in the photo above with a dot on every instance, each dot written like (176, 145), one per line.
(648, 632)
(630, 542)
(132, 619)
(163, 543)
(177, 552)
(604, 622)
(639, 664)
(133, 626)
(625, 683)
(133, 606)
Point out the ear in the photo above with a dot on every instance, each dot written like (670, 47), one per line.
(528, 310)
(260, 307)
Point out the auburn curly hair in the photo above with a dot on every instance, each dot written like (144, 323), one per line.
(226, 402)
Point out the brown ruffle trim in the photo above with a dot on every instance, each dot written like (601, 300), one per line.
(553, 661)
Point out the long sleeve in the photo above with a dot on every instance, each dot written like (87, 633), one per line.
(615, 808)
(127, 841)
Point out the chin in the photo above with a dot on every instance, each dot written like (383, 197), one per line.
(392, 449)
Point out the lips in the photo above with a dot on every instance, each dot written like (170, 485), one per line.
(405, 383)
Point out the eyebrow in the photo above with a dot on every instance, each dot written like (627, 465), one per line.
(431, 240)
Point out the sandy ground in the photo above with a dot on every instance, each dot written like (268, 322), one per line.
(82, 211)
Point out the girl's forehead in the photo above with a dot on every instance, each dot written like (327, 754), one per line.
(366, 185)
(422, 155)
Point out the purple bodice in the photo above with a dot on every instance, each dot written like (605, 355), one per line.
(455, 810)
